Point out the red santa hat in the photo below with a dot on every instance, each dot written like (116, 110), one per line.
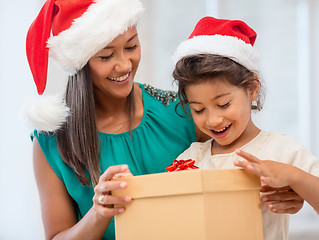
(71, 32)
(229, 38)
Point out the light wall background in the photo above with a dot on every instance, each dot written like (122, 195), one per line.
(287, 40)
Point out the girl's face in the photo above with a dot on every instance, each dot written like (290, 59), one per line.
(113, 68)
(222, 111)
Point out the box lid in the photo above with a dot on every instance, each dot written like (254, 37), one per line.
(188, 182)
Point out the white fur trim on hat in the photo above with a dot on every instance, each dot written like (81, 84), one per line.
(46, 113)
(103, 21)
(227, 46)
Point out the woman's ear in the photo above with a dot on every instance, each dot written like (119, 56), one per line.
(254, 89)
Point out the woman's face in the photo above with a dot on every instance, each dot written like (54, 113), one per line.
(113, 68)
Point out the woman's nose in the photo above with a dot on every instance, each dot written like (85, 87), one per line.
(123, 64)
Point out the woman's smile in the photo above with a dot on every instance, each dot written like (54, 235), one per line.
(119, 79)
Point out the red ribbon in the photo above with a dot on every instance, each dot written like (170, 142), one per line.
(180, 165)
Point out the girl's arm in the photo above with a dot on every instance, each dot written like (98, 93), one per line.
(58, 213)
(279, 175)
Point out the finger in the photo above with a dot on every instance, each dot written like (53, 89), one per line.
(267, 188)
(249, 157)
(282, 197)
(109, 212)
(241, 163)
(111, 171)
(283, 211)
(291, 207)
(121, 175)
(108, 200)
(106, 187)
(251, 167)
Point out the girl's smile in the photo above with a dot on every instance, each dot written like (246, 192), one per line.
(221, 132)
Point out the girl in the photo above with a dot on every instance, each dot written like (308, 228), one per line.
(218, 76)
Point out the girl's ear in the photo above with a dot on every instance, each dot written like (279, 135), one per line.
(254, 89)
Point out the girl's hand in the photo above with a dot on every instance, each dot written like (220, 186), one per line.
(103, 201)
(276, 177)
(274, 174)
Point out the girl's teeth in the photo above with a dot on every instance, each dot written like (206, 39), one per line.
(119, 79)
(221, 130)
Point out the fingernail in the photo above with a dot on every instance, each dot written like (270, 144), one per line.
(123, 185)
(121, 210)
(264, 199)
(124, 167)
(270, 206)
(127, 199)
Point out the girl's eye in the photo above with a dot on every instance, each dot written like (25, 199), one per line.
(132, 48)
(105, 58)
(224, 105)
(199, 111)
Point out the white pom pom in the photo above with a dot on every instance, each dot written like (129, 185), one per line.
(46, 113)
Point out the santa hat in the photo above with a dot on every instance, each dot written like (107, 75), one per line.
(229, 38)
(80, 28)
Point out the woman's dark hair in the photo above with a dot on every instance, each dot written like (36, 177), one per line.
(209, 67)
(78, 139)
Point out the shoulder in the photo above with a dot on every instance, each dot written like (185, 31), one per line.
(281, 139)
(287, 149)
(164, 96)
(156, 99)
(165, 105)
(43, 136)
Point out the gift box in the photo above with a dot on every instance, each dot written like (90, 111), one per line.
(221, 204)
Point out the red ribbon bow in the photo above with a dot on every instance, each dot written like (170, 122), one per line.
(180, 165)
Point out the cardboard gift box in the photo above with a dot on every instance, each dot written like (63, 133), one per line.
(221, 204)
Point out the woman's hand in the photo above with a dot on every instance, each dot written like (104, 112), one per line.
(276, 177)
(103, 201)
(282, 200)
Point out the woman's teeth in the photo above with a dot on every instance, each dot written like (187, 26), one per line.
(119, 79)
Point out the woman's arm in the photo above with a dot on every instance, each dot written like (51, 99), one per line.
(278, 175)
(58, 213)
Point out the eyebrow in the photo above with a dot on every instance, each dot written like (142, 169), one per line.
(134, 36)
(218, 96)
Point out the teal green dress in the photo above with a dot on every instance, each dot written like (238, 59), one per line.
(160, 137)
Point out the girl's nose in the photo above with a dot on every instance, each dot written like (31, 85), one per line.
(213, 120)
(123, 64)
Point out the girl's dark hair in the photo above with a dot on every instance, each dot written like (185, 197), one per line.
(78, 139)
(209, 67)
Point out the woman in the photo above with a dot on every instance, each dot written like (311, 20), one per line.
(107, 124)
(106, 121)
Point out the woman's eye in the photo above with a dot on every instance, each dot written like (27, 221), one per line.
(132, 48)
(104, 58)
(224, 105)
